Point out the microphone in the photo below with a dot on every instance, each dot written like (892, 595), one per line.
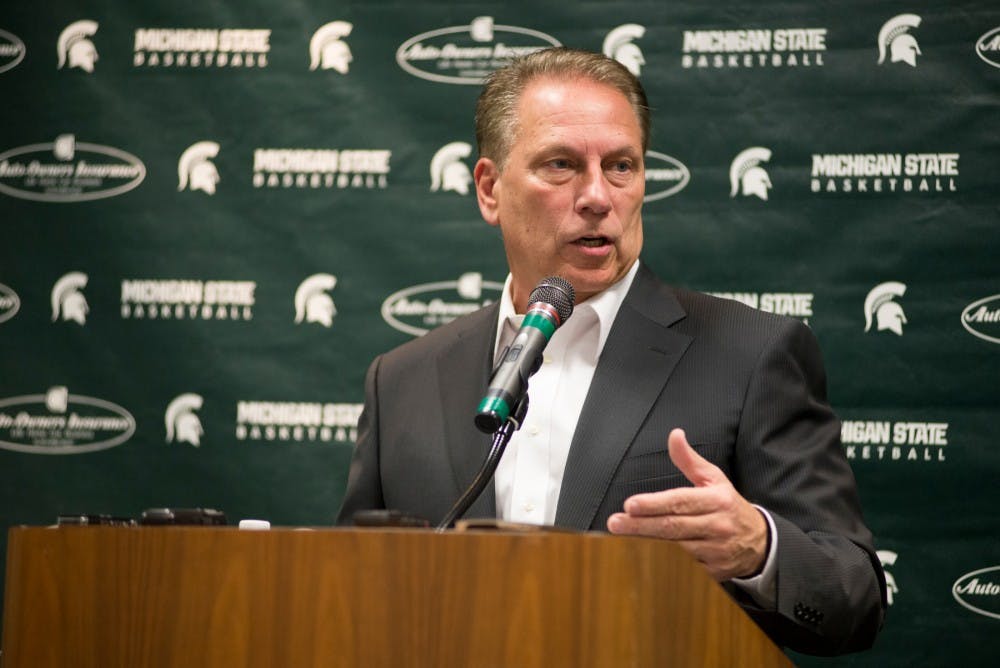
(549, 304)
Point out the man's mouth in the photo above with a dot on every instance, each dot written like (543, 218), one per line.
(592, 242)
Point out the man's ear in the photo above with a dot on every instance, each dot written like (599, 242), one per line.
(487, 177)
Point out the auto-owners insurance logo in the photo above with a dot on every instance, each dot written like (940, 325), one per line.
(988, 47)
(979, 591)
(417, 310)
(466, 54)
(60, 423)
(665, 176)
(10, 303)
(68, 171)
(982, 318)
(11, 51)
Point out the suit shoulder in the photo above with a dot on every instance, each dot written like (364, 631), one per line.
(706, 312)
(477, 323)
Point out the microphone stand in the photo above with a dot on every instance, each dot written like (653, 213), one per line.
(501, 437)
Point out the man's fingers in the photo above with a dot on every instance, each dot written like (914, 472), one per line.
(722, 557)
(695, 468)
(679, 501)
(669, 527)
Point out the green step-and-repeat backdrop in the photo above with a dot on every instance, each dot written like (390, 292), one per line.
(214, 215)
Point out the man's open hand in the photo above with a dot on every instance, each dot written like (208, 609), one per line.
(711, 520)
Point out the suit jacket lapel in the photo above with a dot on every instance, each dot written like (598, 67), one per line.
(638, 357)
(463, 374)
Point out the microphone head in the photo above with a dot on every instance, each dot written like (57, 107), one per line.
(557, 292)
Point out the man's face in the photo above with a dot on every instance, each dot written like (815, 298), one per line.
(569, 198)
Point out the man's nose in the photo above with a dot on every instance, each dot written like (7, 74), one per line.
(594, 195)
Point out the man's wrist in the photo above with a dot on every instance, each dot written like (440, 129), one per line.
(763, 559)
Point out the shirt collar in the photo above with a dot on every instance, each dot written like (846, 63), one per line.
(604, 304)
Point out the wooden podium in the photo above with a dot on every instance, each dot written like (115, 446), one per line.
(106, 597)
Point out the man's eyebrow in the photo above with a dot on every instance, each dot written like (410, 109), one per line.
(558, 147)
(628, 150)
(562, 147)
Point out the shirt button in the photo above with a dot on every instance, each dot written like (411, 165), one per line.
(533, 430)
(546, 359)
(529, 507)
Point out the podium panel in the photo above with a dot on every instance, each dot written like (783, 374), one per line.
(107, 597)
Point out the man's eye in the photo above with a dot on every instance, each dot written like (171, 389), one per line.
(621, 166)
(559, 163)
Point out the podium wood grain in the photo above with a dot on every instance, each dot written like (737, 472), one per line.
(218, 597)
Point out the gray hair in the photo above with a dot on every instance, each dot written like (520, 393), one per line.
(496, 110)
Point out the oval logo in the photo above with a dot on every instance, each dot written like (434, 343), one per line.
(988, 47)
(10, 303)
(11, 51)
(68, 171)
(421, 308)
(665, 176)
(979, 591)
(59, 423)
(466, 54)
(982, 318)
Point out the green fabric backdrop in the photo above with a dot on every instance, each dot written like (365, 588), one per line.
(214, 215)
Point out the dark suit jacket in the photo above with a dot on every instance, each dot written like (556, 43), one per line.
(749, 389)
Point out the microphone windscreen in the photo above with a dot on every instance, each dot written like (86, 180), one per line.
(555, 291)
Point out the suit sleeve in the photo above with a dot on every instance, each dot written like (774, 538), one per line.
(789, 459)
(364, 481)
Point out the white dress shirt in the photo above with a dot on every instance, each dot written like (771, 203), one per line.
(528, 479)
(530, 473)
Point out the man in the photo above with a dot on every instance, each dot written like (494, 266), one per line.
(562, 135)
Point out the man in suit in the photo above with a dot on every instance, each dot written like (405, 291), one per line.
(755, 486)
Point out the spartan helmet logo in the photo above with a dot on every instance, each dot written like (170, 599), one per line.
(327, 51)
(182, 424)
(195, 167)
(888, 558)
(902, 45)
(74, 47)
(746, 174)
(68, 300)
(448, 172)
(312, 304)
(888, 314)
(618, 45)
